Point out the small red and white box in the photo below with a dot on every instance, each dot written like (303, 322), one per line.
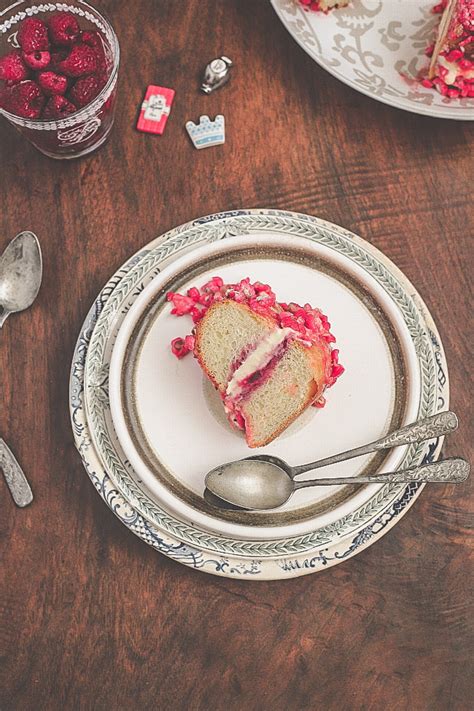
(155, 109)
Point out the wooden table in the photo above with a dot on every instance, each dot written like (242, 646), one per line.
(91, 618)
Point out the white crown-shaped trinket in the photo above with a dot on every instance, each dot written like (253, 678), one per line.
(207, 133)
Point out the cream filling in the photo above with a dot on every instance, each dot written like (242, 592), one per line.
(454, 70)
(256, 360)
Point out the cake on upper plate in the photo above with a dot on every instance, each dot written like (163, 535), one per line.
(324, 5)
(268, 360)
(452, 62)
(451, 70)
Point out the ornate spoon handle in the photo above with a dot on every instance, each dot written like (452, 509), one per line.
(434, 426)
(453, 470)
(14, 476)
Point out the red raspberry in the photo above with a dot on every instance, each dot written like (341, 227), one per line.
(58, 107)
(25, 99)
(84, 90)
(79, 62)
(33, 35)
(52, 83)
(64, 29)
(94, 40)
(12, 67)
(37, 60)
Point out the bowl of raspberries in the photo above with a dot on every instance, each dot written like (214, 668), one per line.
(58, 75)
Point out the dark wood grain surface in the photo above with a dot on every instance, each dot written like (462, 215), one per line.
(91, 618)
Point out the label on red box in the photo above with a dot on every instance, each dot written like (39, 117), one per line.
(155, 109)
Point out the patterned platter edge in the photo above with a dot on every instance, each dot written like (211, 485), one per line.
(287, 566)
(214, 229)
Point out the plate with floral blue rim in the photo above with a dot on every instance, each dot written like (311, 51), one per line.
(377, 47)
(280, 559)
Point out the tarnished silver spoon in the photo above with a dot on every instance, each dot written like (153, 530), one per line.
(238, 475)
(258, 485)
(21, 271)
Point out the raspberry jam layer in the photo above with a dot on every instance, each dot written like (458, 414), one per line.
(305, 324)
(248, 373)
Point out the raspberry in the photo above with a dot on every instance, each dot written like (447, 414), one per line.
(79, 62)
(84, 90)
(33, 35)
(94, 40)
(25, 99)
(37, 60)
(52, 83)
(12, 67)
(64, 29)
(58, 107)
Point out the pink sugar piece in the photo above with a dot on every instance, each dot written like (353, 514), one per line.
(182, 346)
(440, 7)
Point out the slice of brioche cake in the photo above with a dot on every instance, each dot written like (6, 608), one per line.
(268, 360)
(265, 376)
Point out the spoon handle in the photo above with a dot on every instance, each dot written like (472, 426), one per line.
(14, 476)
(4, 314)
(453, 470)
(429, 428)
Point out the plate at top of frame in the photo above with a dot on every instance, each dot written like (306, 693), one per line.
(376, 47)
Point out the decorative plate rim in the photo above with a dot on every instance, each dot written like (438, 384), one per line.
(223, 226)
(460, 114)
(254, 569)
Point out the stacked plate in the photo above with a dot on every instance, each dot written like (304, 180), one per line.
(148, 427)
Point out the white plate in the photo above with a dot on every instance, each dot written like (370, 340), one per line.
(377, 47)
(171, 424)
(282, 557)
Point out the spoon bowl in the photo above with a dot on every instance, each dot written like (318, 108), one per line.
(251, 484)
(21, 270)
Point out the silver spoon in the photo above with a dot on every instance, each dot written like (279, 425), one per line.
(21, 271)
(429, 428)
(14, 476)
(260, 485)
